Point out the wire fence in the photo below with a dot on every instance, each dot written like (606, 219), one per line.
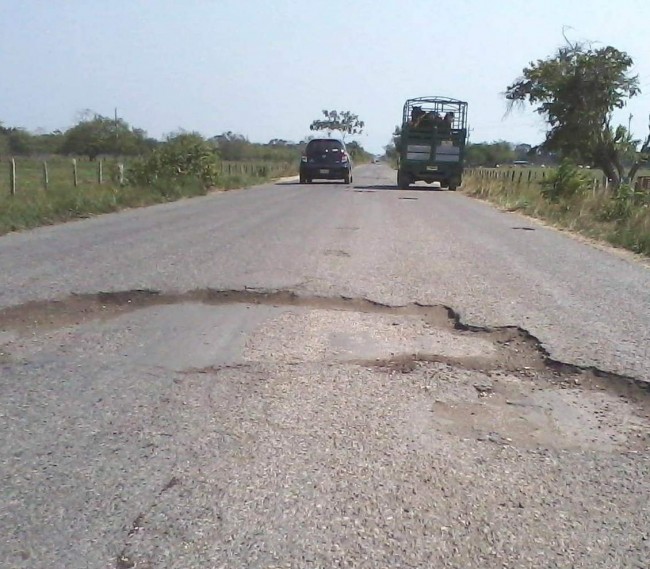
(20, 175)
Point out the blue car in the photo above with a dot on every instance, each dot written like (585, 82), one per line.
(326, 159)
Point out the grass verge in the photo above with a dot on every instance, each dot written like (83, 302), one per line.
(622, 221)
(32, 206)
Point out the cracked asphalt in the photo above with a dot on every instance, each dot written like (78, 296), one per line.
(333, 431)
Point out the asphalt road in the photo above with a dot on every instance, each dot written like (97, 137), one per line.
(328, 411)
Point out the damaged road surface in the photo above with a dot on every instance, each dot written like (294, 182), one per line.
(339, 410)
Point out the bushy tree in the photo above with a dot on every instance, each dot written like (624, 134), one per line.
(232, 146)
(183, 156)
(100, 135)
(358, 152)
(577, 91)
(490, 153)
(15, 141)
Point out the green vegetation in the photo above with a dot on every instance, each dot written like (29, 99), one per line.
(184, 166)
(136, 170)
(345, 122)
(577, 91)
(33, 206)
(392, 149)
(98, 135)
(570, 198)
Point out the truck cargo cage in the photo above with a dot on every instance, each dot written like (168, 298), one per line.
(433, 138)
(416, 110)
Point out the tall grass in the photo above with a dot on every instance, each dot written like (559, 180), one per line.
(620, 218)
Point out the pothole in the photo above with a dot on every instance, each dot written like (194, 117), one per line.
(500, 385)
(511, 348)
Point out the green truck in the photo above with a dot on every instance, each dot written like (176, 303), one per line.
(432, 142)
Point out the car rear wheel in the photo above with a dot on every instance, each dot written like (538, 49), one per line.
(347, 179)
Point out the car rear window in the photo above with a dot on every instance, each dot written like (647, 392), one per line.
(322, 146)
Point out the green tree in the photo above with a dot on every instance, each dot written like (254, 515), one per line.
(183, 156)
(392, 149)
(345, 122)
(232, 146)
(490, 153)
(15, 141)
(45, 143)
(103, 135)
(357, 152)
(19, 142)
(577, 91)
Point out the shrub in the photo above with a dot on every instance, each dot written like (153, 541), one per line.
(568, 181)
(183, 156)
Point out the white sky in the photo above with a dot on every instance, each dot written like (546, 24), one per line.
(265, 69)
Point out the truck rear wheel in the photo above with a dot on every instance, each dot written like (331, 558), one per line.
(403, 181)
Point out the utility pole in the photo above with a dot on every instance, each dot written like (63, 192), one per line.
(116, 135)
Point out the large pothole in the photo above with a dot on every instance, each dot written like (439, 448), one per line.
(506, 389)
(514, 348)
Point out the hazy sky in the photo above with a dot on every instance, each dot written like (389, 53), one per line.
(266, 68)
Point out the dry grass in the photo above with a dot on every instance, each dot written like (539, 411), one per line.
(595, 213)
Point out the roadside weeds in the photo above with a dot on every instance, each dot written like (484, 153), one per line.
(596, 217)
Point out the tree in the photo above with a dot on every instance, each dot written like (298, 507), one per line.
(232, 146)
(103, 135)
(20, 142)
(577, 91)
(183, 156)
(15, 141)
(345, 122)
(45, 143)
(392, 149)
(358, 152)
(490, 153)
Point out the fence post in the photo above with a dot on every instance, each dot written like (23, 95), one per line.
(12, 177)
(75, 180)
(100, 172)
(120, 168)
(46, 177)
